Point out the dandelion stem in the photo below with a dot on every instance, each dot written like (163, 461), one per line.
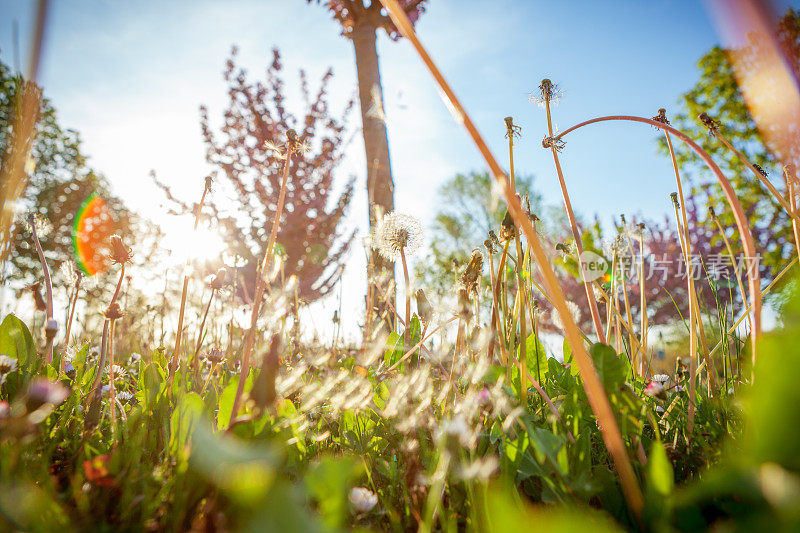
(199, 342)
(72, 306)
(576, 234)
(407, 328)
(49, 335)
(261, 283)
(754, 276)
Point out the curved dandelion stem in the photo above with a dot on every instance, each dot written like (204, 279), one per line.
(753, 274)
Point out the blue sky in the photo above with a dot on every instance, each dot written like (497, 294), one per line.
(130, 77)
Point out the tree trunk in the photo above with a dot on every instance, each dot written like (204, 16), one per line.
(380, 187)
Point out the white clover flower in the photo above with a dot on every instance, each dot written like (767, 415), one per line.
(660, 378)
(397, 232)
(363, 500)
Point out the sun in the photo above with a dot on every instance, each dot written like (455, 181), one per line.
(186, 243)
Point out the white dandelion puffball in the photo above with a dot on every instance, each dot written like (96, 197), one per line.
(397, 232)
(362, 500)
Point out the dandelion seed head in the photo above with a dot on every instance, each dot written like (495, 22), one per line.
(397, 232)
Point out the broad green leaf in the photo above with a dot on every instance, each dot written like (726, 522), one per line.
(660, 478)
(328, 482)
(16, 341)
(612, 368)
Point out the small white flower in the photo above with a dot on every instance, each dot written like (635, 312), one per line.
(119, 372)
(660, 378)
(362, 500)
(7, 364)
(124, 397)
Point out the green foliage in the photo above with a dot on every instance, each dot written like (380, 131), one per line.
(717, 94)
(468, 209)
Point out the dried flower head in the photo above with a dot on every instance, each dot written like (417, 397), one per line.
(760, 170)
(512, 130)
(555, 143)
(493, 237)
(712, 125)
(114, 311)
(507, 228)
(397, 232)
(218, 280)
(120, 254)
(472, 272)
(548, 92)
(565, 248)
(712, 212)
(489, 246)
(661, 116)
(214, 356)
(674, 197)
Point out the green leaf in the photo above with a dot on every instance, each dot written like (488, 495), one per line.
(16, 341)
(612, 368)
(243, 472)
(537, 366)
(183, 419)
(328, 482)
(226, 404)
(660, 478)
(394, 350)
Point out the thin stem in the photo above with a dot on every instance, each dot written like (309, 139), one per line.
(49, 334)
(576, 234)
(261, 285)
(72, 306)
(179, 334)
(199, 342)
(407, 328)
